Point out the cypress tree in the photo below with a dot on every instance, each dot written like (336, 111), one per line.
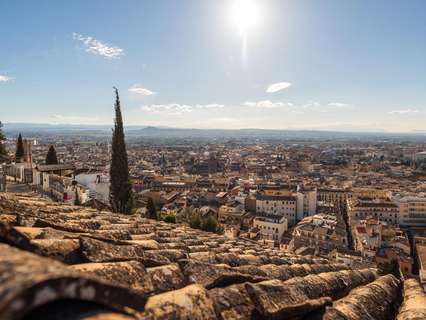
(150, 209)
(51, 157)
(120, 189)
(77, 201)
(19, 154)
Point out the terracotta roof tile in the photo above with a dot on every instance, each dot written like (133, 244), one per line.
(78, 263)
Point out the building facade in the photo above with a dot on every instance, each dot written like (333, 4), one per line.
(412, 211)
(270, 227)
(384, 210)
(280, 205)
(306, 203)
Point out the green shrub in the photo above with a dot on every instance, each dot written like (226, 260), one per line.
(170, 219)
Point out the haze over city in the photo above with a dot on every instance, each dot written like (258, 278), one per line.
(273, 64)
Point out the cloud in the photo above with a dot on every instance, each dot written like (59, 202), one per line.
(61, 119)
(170, 109)
(278, 87)
(139, 89)
(210, 106)
(338, 105)
(331, 106)
(405, 111)
(267, 104)
(4, 78)
(312, 105)
(97, 47)
(225, 110)
(179, 109)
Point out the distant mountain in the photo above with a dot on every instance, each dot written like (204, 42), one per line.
(12, 126)
(136, 133)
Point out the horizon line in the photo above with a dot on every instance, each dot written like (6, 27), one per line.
(376, 131)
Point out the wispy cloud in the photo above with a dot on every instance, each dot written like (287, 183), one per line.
(4, 78)
(404, 111)
(139, 89)
(179, 109)
(278, 87)
(227, 111)
(99, 48)
(170, 109)
(326, 107)
(338, 105)
(312, 105)
(267, 104)
(210, 106)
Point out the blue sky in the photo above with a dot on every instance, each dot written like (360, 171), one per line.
(341, 65)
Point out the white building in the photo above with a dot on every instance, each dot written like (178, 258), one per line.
(306, 203)
(98, 185)
(412, 211)
(270, 227)
(279, 205)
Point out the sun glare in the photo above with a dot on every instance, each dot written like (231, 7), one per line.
(245, 14)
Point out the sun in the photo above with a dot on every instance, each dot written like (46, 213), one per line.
(245, 14)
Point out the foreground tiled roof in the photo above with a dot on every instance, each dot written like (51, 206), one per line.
(65, 262)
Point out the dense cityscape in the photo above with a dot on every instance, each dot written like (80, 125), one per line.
(213, 160)
(360, 204)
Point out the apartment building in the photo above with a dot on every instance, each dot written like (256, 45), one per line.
(231, 212)
(334, 195)
(306, 202)
(321, 231)
(382, 209)
(279, 205)
(375, 193)
(412, 211)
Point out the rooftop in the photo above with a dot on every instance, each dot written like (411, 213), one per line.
(68, 262)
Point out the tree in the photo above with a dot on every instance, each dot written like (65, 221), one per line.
(209, 224)
(151, 211)
(51, 157)
(120, 190)
(170, 219)
(3, 152)
(195, 221)
(19, 154)
(77, 201)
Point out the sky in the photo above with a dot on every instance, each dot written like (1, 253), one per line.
(353, 65)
